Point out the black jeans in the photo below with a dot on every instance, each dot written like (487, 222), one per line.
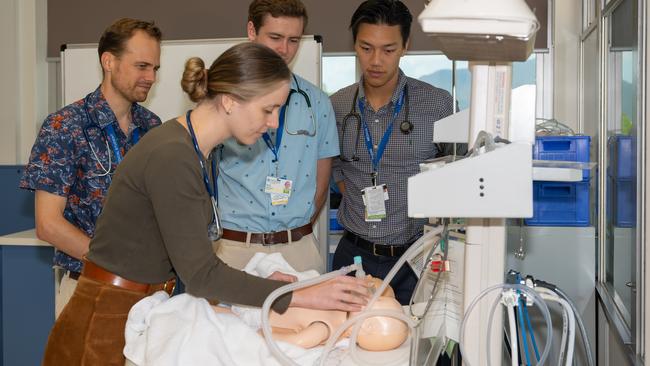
(377, 266)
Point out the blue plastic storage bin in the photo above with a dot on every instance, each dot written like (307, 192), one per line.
(621, 202)
(622, 157)
(563, 148)
(334, 222)
(560, 204)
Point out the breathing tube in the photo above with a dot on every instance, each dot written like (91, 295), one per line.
(576, 312)
(266, 308)
(356, 320)
(519, 289)
(364, 314)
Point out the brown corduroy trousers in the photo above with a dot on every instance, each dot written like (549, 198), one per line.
(90, 330)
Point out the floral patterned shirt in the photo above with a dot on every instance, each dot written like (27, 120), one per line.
(72, 158)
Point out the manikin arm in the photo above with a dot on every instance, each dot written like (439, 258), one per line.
(314, 334)
(309, 328)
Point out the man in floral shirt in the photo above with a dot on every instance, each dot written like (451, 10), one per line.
(78, 147)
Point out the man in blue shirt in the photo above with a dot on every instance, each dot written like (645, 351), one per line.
(78, 147)
(271, 192)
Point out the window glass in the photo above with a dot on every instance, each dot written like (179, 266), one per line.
(432, 69)
(436, 70)
(338, 72)
(622, 163)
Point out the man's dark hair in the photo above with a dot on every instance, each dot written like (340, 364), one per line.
(387, 12)
(114, 38)
(276, 8)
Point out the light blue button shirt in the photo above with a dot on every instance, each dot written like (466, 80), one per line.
(243, 169)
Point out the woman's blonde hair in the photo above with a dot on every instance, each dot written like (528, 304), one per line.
(244, 71)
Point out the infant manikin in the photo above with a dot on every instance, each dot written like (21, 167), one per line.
(309, 328)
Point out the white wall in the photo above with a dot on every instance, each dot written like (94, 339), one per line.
(8, 97)
(24, 75)
(567, 17)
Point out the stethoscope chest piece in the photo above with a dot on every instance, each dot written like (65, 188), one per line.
(406, 127)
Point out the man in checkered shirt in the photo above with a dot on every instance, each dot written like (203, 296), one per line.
(385, 124)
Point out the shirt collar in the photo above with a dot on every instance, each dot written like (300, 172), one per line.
(104, 116)
(294, 82)
(401, 83)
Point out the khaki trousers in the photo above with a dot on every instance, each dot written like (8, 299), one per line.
(66, 289)
(302, 255)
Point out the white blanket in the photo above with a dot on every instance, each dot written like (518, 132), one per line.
(185, 330)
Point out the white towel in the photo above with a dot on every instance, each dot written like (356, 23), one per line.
(185, 330)
(263, 265)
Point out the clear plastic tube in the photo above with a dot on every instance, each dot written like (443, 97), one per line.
(488, 341)
(266, 308)
(566, 307)
(410, 253)
(581, 326)
(266, 328)
(537, 300)
(572, 331)
(514, 351)
(565, 332)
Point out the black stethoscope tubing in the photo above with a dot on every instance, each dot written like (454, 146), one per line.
(405, 126)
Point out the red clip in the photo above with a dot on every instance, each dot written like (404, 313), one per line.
(439, 266)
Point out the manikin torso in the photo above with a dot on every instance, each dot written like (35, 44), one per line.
(309, 328)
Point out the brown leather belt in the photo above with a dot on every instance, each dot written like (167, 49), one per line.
(97, 273)
(278, 237)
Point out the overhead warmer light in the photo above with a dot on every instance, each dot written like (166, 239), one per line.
(481, 30)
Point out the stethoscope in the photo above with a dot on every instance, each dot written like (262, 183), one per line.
(110, 138)
(215, 230)
(298, 90)
(282, 125)
(405, 126)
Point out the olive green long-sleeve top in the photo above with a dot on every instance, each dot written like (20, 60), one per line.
(155, 221)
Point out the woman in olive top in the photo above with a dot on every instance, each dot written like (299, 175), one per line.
(159, 210)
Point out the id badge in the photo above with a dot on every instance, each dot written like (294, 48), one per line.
(279, 189)
(374, 198)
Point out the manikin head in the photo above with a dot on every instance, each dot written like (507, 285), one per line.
(309, 328)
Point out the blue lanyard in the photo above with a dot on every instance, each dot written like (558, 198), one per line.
(375, 158)
(275, 148)
(211, 191)
(112, 138)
